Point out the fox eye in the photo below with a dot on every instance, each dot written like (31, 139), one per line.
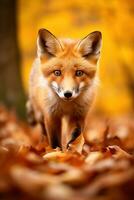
(57, 72)
(79, 73)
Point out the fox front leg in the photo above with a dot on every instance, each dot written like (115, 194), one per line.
(74, 134)
(76, 137)
(53, 129)
(73, 130)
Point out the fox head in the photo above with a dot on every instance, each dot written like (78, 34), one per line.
(69, 66)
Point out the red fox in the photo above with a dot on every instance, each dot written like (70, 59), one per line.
(63, 84)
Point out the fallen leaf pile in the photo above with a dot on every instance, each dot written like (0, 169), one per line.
(31, 170)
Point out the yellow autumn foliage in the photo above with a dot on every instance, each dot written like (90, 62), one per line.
(77, 18)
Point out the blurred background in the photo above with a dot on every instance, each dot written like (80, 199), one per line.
(19, 24)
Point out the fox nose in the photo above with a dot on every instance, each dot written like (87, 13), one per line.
(68, 94)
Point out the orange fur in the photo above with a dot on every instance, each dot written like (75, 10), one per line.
(46, 90)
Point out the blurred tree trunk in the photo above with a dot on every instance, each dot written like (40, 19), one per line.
(11, 90)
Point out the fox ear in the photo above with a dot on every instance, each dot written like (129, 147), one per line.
(47, 44)
(90, 45)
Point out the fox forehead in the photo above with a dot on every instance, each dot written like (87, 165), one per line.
(66, 65)
(68, 60)
(69, 47)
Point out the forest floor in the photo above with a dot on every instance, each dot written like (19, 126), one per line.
(31, 170)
